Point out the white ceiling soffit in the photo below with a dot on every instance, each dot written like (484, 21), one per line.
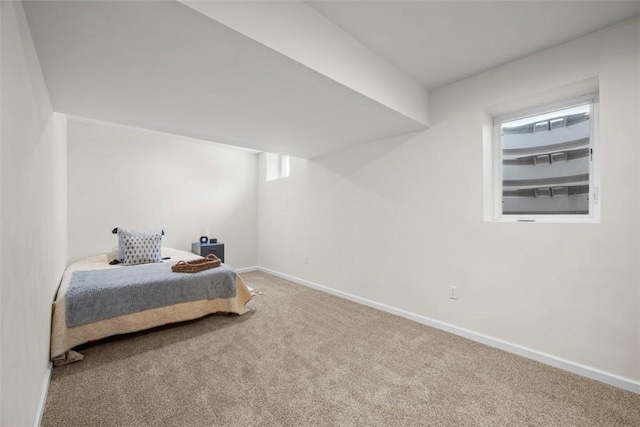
(440, 42)
(165, 67)
(296, 30)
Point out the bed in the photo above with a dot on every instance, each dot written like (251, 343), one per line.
(64, 337)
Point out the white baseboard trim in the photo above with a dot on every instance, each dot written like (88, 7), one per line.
(246, 269)
(43, 396)
(547, 359)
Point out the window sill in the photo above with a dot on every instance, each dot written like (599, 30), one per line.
(544, 220)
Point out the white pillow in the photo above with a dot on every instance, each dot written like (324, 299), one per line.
(122, 232)
(142, 249)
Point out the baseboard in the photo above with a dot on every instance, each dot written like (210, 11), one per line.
(547, 359)
(246, 269)
(43, 396)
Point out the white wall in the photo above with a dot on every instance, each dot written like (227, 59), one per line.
(399, 221)
(33, 219)
(127, 177)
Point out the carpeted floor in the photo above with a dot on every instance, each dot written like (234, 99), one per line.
(305, 358)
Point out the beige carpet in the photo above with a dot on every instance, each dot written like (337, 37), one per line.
(305, 358)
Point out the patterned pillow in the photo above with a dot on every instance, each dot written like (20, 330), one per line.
(142, 249)
(122, 232)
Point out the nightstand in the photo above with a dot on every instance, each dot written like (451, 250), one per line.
(204, 249)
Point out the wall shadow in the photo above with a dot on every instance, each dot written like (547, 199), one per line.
(349, 160)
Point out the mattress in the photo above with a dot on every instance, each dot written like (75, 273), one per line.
(64, 338)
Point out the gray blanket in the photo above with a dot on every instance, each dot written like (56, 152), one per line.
(102, 294)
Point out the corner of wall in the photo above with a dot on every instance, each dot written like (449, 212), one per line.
(33, 205)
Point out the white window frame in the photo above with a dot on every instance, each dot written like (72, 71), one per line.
(278, 166)
(594, 174)
(285, 166)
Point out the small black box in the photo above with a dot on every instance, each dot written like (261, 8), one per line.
(213, 240)
(204, 249)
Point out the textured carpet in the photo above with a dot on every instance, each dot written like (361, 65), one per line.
(305, 358)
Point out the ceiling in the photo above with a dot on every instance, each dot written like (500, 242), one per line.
(164, 66)
(440, 42)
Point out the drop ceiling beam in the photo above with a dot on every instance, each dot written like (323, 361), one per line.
(297, 31)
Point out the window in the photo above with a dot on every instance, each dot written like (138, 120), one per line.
(278, 166)
(546, 163)
(284, 166)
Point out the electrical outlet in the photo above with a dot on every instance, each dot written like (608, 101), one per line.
(453, 292)
(306, 259)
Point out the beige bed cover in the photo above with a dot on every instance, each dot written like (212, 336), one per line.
(64, 338)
